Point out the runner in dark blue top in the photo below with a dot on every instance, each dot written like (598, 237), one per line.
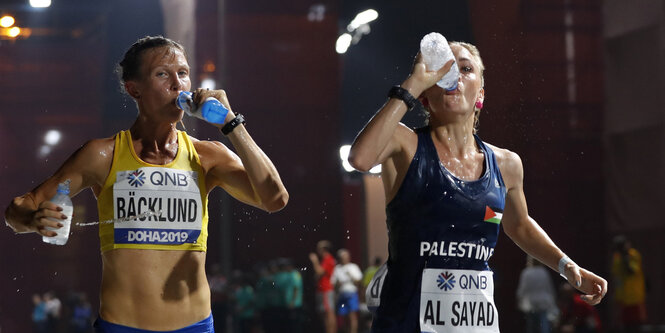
(448, 192)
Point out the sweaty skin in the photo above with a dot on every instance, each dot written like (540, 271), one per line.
(157, 289)
(386, 141)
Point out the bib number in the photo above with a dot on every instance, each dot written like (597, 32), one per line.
(457, 301)
(172, 195)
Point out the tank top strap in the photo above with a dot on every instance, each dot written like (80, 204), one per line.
(425, 144)
(492, 164)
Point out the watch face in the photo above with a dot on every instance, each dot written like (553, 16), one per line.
(228, 128)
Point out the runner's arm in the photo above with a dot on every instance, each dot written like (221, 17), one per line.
(87, 167)
(530, 237)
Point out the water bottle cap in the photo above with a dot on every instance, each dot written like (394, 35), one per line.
(183, 101)
(453, 87)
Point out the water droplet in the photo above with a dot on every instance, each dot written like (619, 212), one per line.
(14, 279)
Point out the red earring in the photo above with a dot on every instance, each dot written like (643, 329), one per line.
(479, 104)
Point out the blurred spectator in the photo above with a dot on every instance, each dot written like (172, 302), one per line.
(324, 264)
(218, 297)
(369, 272)
(629, 285)
(280, 311)
(53, 308)
(270, 298)
(81, 319)
(262, 291)
(577, 316)
(293, 290)
(39, 317)
(536, 297)
(345, 278)
(243, 304)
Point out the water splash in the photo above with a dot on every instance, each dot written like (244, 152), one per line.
(122, 219)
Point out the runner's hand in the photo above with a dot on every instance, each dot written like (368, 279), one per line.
(593, 286)
(47, 215)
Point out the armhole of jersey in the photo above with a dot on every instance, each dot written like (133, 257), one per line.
(495, 165)
(190, 145)
(411, 165)
(116, 152)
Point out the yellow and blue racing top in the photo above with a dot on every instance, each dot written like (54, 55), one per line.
(170, 200)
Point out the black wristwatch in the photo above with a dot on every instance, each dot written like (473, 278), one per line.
(403, 94)
(228, 128)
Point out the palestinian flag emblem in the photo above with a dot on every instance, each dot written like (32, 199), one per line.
(492, 216)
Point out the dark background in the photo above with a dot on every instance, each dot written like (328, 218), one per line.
(593, 162)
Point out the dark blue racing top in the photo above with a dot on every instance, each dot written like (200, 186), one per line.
(436, 221)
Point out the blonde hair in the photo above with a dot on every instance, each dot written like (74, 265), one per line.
(476, 54)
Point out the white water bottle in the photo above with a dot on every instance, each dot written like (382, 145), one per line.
(436, 52)
(61, 199)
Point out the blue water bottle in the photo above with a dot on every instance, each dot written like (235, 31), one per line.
(212, 110)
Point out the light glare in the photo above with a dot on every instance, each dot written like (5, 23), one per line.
(208, 83)
(40, 3)
(343, 43)
(13, 32)
(363, 18)
(7, 21)
(44, 150)
(344, 156)
(52, 137)
(344, 152)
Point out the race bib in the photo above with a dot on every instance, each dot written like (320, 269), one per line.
(173, 195)
(457, 301)
(373, 291)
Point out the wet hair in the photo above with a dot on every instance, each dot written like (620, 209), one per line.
(481, 67)
(476, 54)
(129, 68)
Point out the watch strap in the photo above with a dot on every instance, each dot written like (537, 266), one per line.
(228, 128)
(404, 95)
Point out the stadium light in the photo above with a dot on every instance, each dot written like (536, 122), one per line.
(7, 21)
(40, 3)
